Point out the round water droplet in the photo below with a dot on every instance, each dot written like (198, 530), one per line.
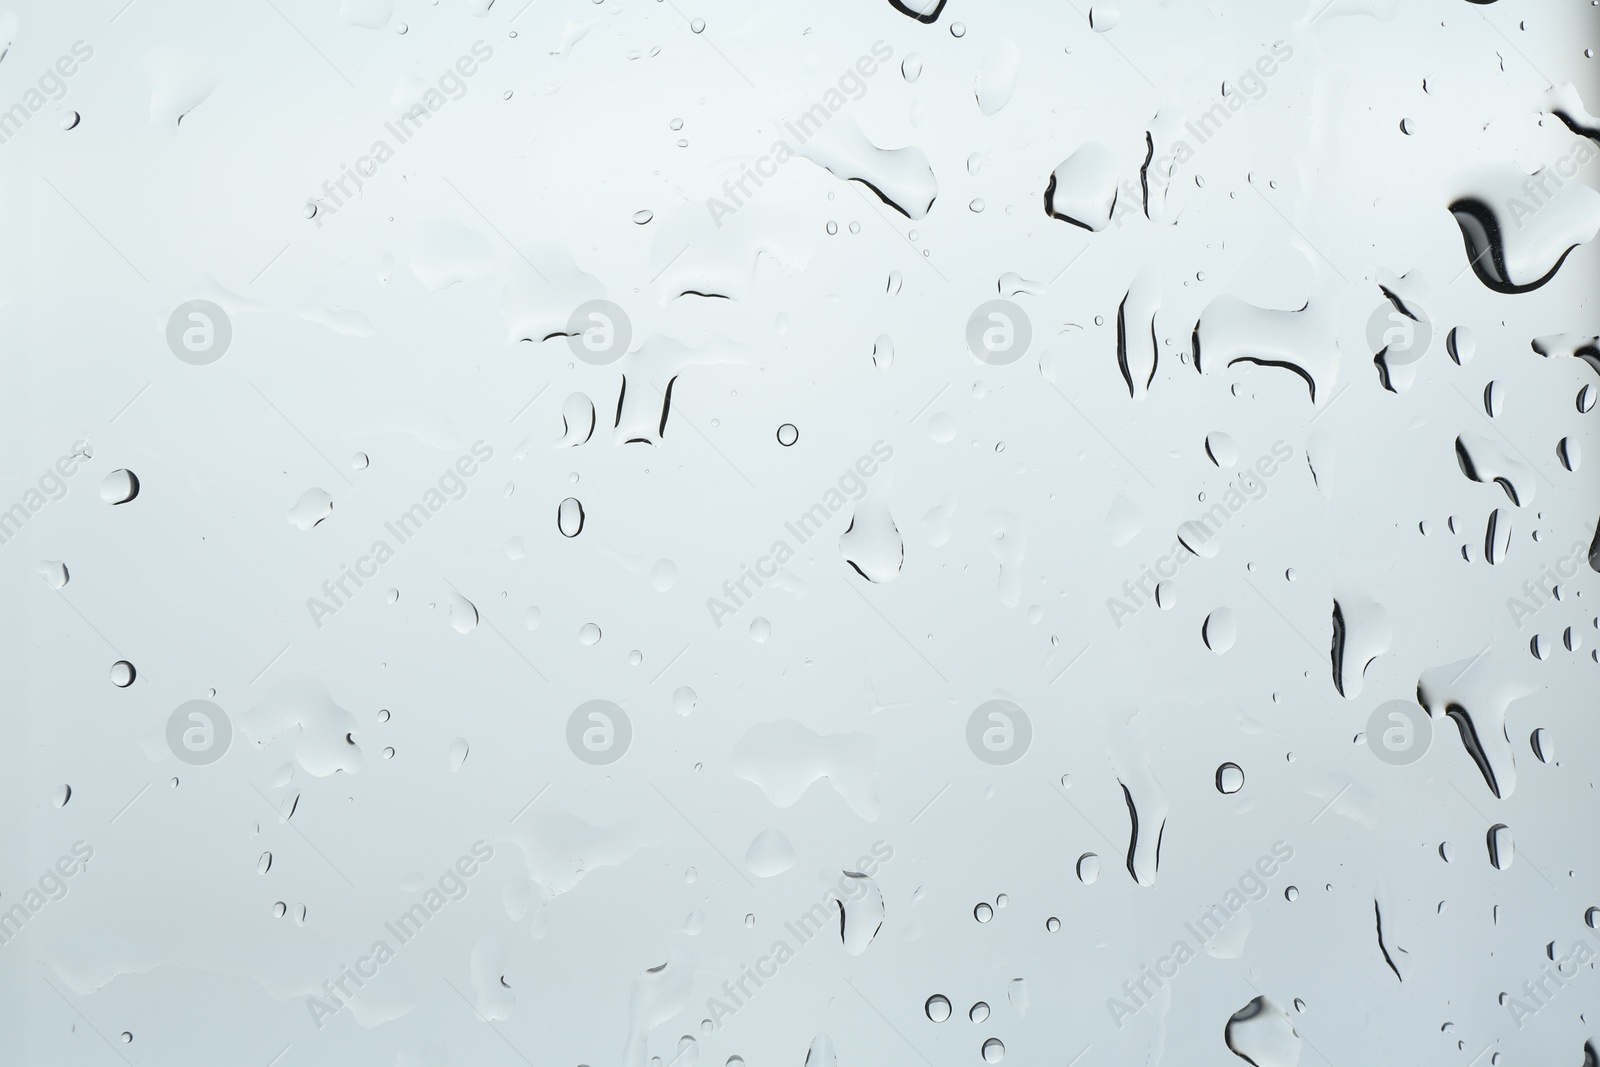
(993, 1050)
(122, 674)
(983, 913)
(359, 461)
(760, 630)
(589, 634)
(911, 67)
(788, 434)
(1052, 924)
(684, 700)
(1220, 630)
(1291, 894)
(979, 1012)
(119, 487)
(1088, 868)
(70, 120)
(62, 795)
(938, 1006)
(958, 29)
(1103, 17)
(1230, 779)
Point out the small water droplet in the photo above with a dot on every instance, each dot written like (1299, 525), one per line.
(1230, 779)
(119, 487)
(570, 517)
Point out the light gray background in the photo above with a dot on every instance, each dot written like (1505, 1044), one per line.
(347, 339)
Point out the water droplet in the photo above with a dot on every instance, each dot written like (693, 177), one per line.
(983, 913)
(993, 1050)
(643, 216)
(698, 26)
(63, 794)
(119, 487)
(979, 1012)
(1052, 924)
(569, 517)
(1220, 630)
(122, 674)
(788, 434)
(589, 634)
(54, 572)
(463, 614)
(1230, 779)
(1500, 846)
(938, 1005)
(760, 630)
(1088, 868)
